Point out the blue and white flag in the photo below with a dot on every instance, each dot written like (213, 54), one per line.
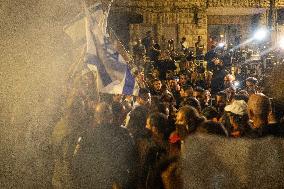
(113, 74)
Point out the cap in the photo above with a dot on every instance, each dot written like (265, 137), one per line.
(238, 107)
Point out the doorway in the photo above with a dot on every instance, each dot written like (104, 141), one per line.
(228, 34)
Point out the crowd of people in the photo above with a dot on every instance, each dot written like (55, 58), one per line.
(125, 141)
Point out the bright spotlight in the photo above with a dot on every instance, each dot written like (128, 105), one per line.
(260, 34)
(236, 84)
(281, 43)
(221, 45)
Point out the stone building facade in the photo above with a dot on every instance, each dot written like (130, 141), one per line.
(174, 19)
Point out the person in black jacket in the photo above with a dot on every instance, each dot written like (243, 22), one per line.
(105, 155)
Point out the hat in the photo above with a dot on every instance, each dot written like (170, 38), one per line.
(238, 107)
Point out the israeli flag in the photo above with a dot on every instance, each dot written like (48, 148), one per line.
(113, 74)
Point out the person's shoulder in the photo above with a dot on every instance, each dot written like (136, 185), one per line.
(210, 123)
(275, 129)
(123, 130)
(212, 127)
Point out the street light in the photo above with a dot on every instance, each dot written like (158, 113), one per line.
(281, 42)
(260, 34)
(221, 45)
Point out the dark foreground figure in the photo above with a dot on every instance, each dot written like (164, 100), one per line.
(106, 155)
(216, 162)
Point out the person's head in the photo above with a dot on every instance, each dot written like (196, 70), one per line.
(167, 97)
(157, 46)
(251, 84)
(198, 93)
(259, 108)
(217, 61)
(117, 97)
(137, 121)
(186, 91)
(155, 73)
(172, 83)
(206, 96)
(187, 120)
(192, 101)
(86, 84)
(237, 112)
(183, 39)
(157, 85)
(210, 113)
(183, 78)
(171, 41)
(169, 74)
(194, 76)
(208, 76)
(139, 41)
(152, 42)
(103, 114)
(243, 93)
(221, 98)
(160, 107)
(228, 81)
(238, 123)
(157, 123)
(144, 97)
(128, 98)
(119, 113)
(199, 38)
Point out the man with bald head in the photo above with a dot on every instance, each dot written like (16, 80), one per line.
(259, 110)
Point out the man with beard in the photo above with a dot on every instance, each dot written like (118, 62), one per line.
(187, 121)
(219, 73)
(221, 101)
(251, 85)
(174, 88)
(156, 88)
(259, 110)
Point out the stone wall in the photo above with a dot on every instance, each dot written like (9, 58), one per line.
(168, 19)
(174, 19)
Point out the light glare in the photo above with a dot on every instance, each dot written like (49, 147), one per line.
(260, 34)
(281, 42)
(221, 44)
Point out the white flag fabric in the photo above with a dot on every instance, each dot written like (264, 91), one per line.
(113, 74)
(90, 27)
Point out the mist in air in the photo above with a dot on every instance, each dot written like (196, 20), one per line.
(35, 55)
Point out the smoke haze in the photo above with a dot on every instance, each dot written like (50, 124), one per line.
(35, 55)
